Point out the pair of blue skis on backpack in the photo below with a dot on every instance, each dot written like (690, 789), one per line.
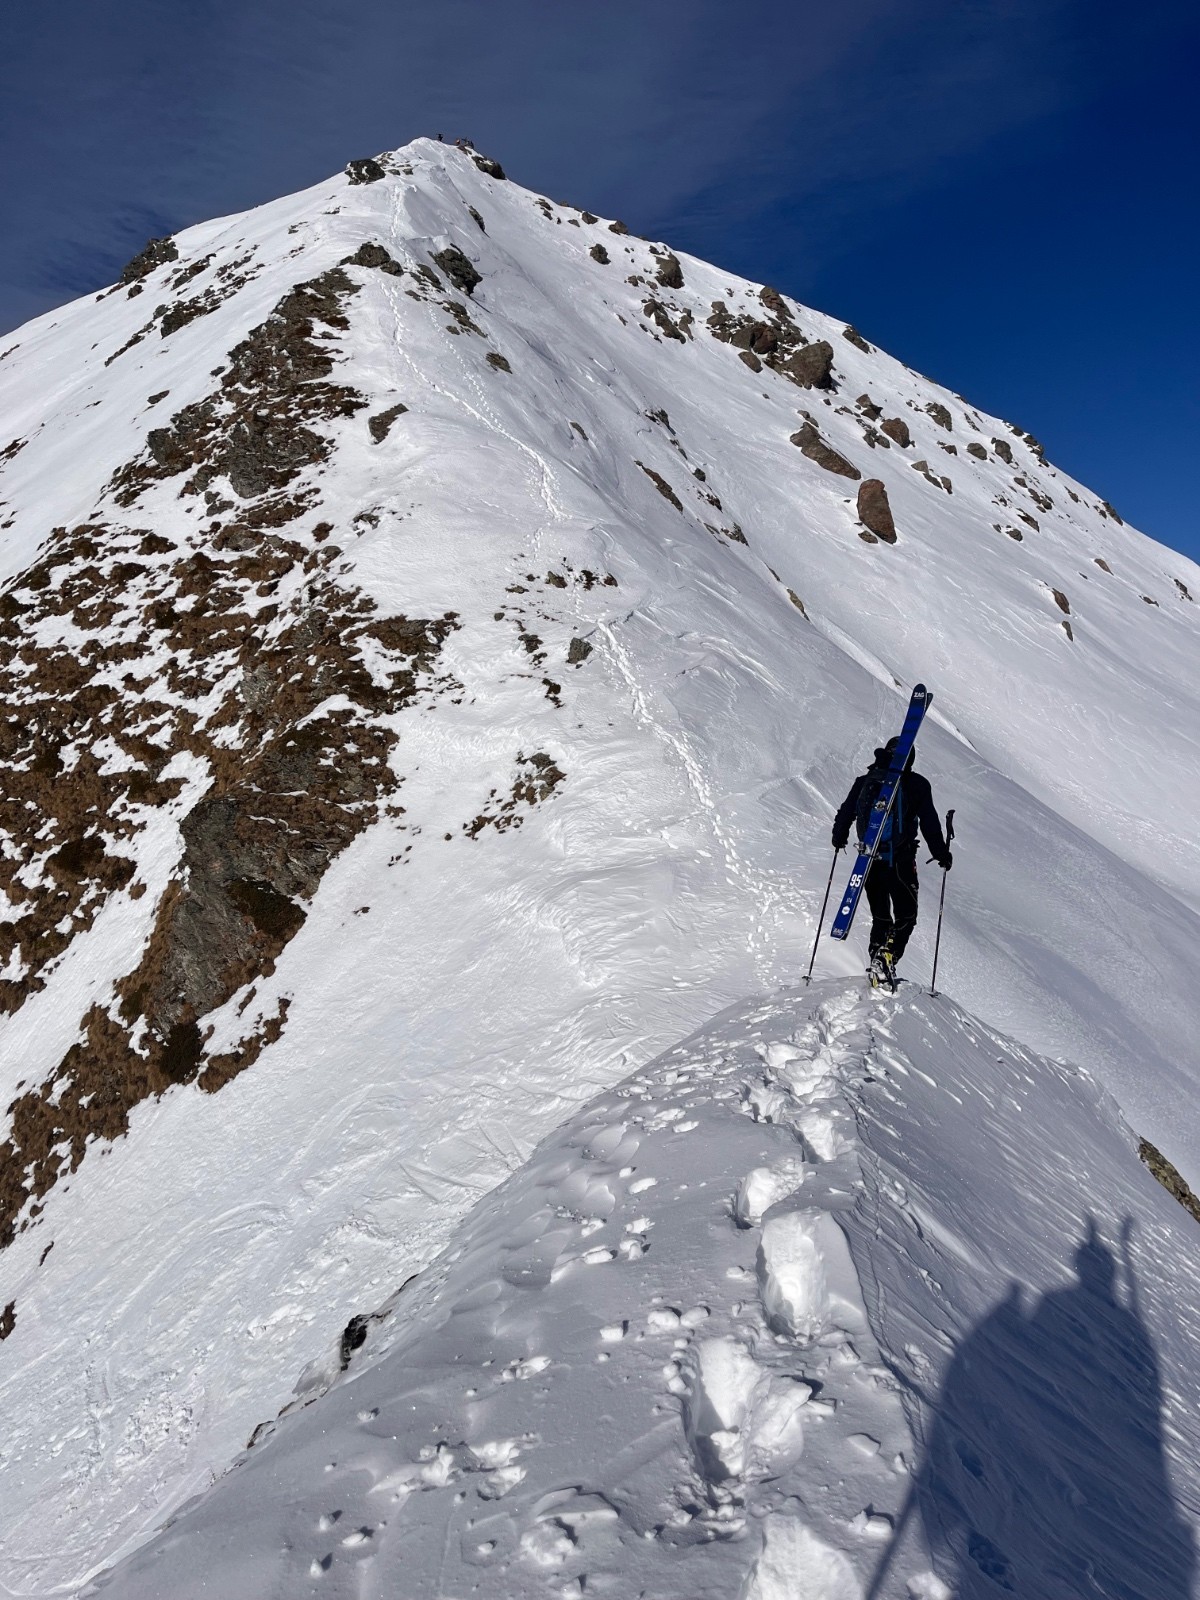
(876, 826)
(921, 700)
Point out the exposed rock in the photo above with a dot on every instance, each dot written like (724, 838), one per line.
(1013, 533)
(774, 302)
(600, 254)
(8, 1319)
(1184, 591)
(458, 268)
(1104, 566)
(257, 429)
(977, 450)
(617, 227)
(1061, 601)
(939, 414)
(751, 360)
(1068, 630)
(868, 407)
(578, 652)
(875, 511)
(797, 602)
(156, 254)
(367, 170)
(1171, 1180)
(495, 359)
(897, 431)
(15, 447)
(380, 424)
(950, 449)
(375, 256)
(669, 272)
(856, 338)
(663, 487)
(1030, 522)
(812, 367)
(490, 168)
(815, 448)
(1149, 601)
(661, 318)
(477, 219)
(589, 217)
(1112, 512)
(1003, 449)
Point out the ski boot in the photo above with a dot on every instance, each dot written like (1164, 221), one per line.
(882, 971)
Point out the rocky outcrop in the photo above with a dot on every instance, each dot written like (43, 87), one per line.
(897, 431)
(811, 367)
(856, 338)
(668, 271)
(257, 430)
(875, 511)
(381, 423)
(156, 254)
(367, 170)
(458, 268)
(977, 450)
(811, 444)
(488, 167)
(1003, 449)
(940, 414)
(376, 257)
(600, 254)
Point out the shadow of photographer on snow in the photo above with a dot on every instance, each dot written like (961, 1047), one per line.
(1044, 1472)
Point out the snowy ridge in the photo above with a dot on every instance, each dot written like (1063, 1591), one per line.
(436, 630)
(704, 1343)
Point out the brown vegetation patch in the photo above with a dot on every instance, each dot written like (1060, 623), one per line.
(291, 787)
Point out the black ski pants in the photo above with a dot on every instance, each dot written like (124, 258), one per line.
(892, 895)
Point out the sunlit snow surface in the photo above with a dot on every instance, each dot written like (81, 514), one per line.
(496, 983)
(948, 1358)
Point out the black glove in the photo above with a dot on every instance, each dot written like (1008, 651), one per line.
(946, 861)
(839, 840)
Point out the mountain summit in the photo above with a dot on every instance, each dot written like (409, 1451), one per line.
(437, 626)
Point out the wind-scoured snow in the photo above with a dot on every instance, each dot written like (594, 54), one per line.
(843, 1295)
(631, 650)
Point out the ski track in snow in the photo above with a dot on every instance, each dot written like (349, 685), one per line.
(695, 1347)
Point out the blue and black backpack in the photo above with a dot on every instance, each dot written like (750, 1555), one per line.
(894, 821)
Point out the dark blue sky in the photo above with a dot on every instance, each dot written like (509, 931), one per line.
(1000, 192)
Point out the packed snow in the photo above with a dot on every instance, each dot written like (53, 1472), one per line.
(485, 958)
(844, 1295)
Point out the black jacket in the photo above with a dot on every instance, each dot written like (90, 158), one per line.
(916, 806)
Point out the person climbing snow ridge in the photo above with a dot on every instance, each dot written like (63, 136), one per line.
(891, 885)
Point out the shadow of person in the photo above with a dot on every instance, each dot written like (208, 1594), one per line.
(1044, 1475)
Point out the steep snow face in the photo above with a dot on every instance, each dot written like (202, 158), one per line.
(436, 629)
(843, 1295)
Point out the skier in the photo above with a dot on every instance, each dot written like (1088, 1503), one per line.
(891, 885)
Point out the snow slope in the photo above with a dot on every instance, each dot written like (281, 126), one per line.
(410, 871)
(842, 1294)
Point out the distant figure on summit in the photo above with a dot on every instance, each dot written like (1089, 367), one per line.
(891, 885)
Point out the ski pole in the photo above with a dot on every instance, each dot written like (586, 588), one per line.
(937, 943)
(821, 918)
